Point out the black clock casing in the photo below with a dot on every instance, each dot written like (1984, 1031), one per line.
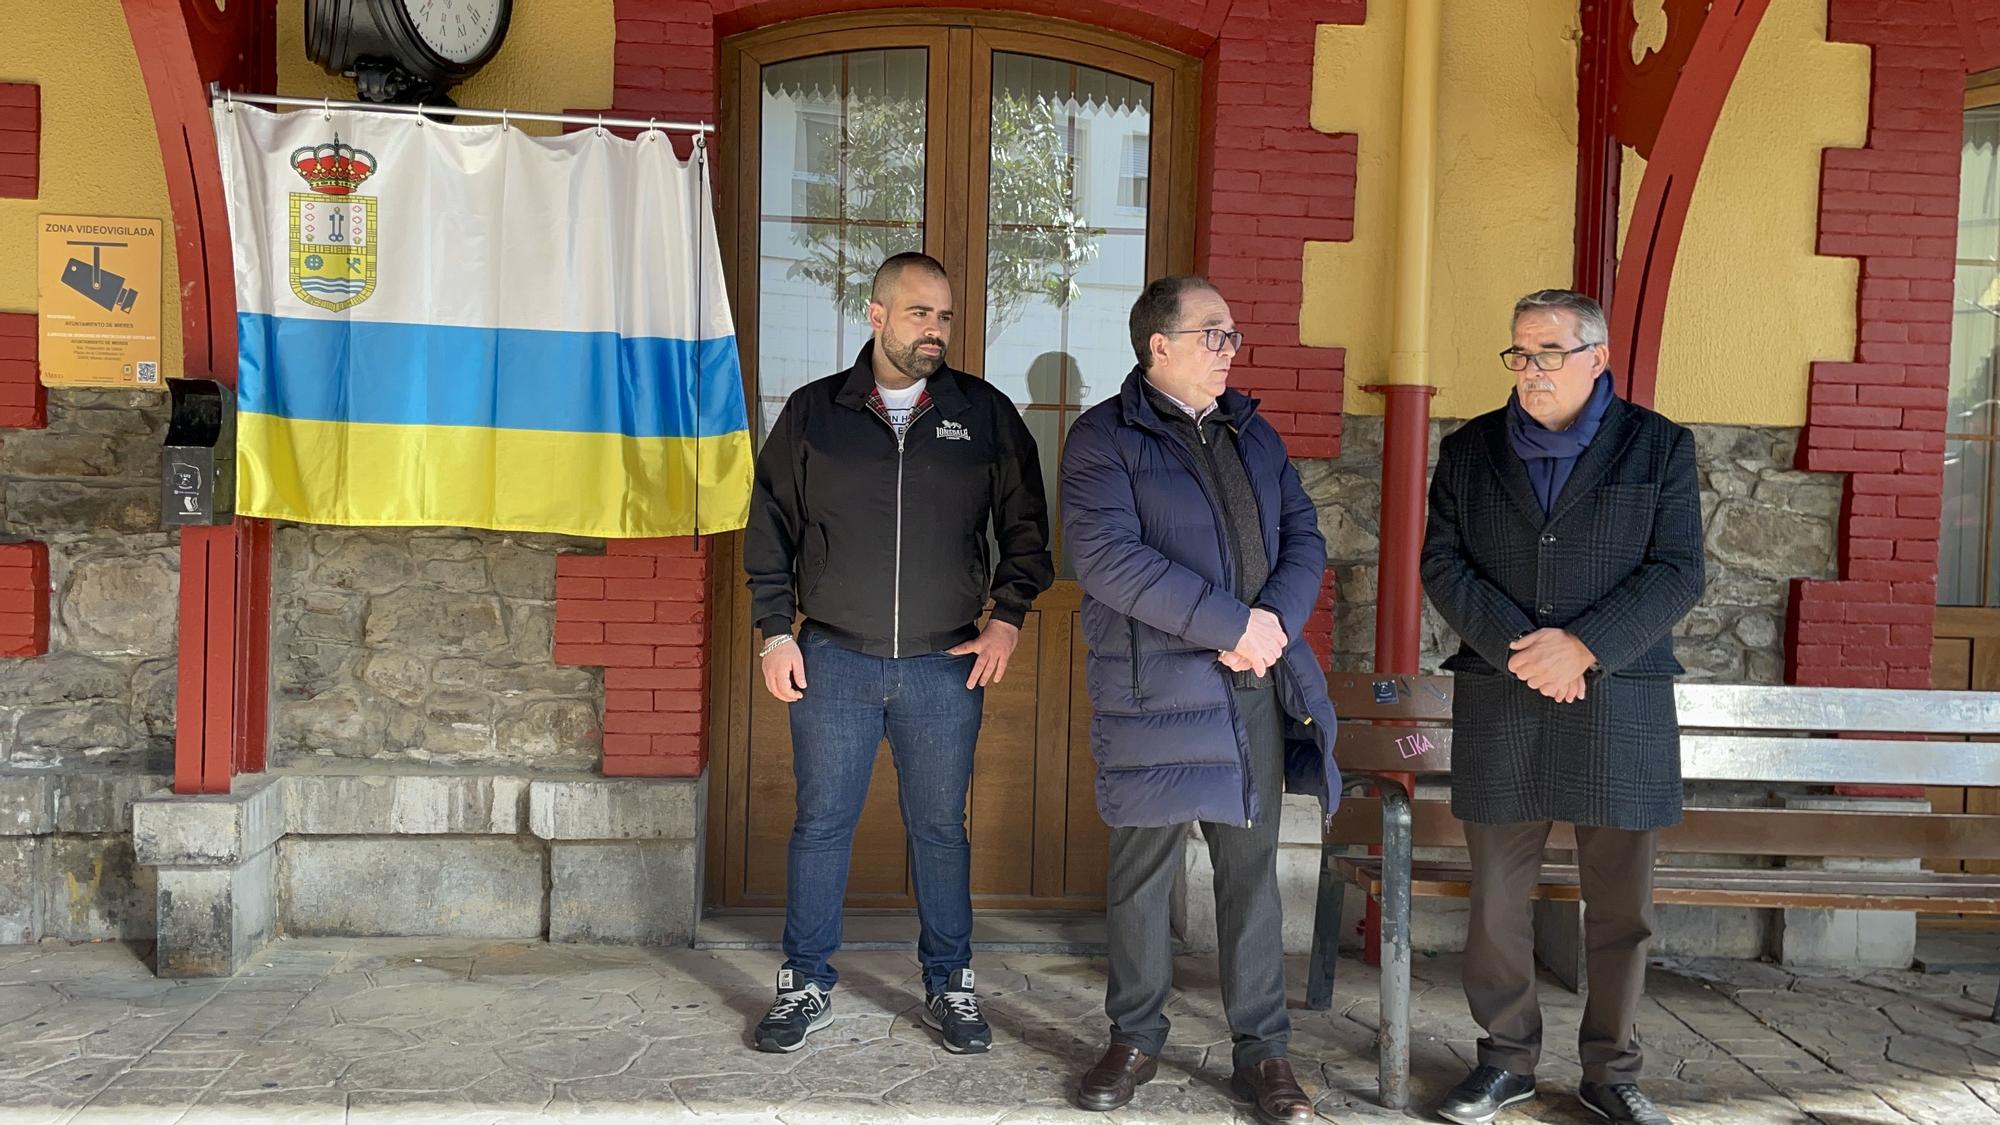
(375, 42)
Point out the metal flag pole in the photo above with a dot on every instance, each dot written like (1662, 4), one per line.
(505, 116)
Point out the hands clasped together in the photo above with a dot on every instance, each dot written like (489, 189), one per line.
(1263, 642)
(1552, 662)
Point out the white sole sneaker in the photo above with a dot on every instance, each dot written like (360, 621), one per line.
(774, 1047)
(931, 1021)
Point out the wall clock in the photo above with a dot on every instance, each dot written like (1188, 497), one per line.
(409, 51)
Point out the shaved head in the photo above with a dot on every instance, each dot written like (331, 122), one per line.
(891, 271)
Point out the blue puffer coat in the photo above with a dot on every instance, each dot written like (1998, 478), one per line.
(1147, 541)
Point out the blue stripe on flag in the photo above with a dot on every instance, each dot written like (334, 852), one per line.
(505, 378)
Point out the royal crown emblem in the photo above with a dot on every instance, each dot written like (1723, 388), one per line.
(332, 247)
(335, 168)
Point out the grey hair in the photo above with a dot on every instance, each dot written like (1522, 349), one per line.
(1590, 323)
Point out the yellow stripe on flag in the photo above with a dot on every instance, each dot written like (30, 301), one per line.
(505, 479)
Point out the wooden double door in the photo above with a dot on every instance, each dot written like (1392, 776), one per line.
(1051, 170)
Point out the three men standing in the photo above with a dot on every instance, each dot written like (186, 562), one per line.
(1564, 544)
(874, 494)
(1200, 557)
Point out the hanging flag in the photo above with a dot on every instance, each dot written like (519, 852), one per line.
(471, 326)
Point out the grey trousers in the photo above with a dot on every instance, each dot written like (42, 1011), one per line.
(1248, 914)
(1616, 867)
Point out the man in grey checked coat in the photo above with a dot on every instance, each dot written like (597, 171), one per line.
(1565, 542)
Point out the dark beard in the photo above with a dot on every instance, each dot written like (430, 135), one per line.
(911, 362)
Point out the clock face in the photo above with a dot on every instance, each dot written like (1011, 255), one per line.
(459, 30)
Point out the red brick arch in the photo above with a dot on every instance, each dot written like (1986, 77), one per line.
(1269, 183)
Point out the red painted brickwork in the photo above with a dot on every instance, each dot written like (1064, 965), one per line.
(1881, 418)
(24, 599)
(1271, 183)
(1980, 20)
(1319, 627)
(640, 611)
(23, 403)
(20, 140)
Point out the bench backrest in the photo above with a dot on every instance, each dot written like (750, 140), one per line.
(1729, 732)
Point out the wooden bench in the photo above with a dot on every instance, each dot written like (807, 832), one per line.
(1394, 729)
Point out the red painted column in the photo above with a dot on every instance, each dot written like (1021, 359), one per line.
(1405, 467)
(221, 700)
(1399, 601)
(1599, 155)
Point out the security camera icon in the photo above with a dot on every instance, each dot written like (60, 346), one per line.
(91, 279)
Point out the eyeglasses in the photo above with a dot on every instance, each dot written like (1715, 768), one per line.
(1517, 360)
(1214, 338)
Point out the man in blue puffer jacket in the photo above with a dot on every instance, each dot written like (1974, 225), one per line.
(1200, 558)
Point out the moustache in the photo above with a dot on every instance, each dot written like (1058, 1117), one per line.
(1538, 385)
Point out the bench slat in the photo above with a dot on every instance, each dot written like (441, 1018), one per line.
(1700, 886)
(1720, 757)
(1744, 707)
(1882, 710)
(1706, 831)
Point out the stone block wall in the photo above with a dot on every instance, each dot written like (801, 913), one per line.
(1766, 522)
(87, 487)
(67, 868)
(425, 645)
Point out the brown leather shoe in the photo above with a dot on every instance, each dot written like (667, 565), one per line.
(1271, 1087)
(1116, 1077)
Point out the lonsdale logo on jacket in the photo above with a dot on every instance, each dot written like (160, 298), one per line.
(952, 431)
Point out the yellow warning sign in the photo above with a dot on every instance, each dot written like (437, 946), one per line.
(99, 280)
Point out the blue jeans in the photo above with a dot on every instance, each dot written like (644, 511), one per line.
(852, 700)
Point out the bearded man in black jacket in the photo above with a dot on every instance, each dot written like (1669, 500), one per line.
(875, 492)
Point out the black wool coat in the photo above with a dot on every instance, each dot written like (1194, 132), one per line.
(1617, 562)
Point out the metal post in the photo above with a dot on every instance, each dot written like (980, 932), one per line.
(1392, 1042)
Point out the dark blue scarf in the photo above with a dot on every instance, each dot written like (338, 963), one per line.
(1550, 454)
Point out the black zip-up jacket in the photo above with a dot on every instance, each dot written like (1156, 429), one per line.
(883, 544)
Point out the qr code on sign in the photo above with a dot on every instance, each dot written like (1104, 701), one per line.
(149, 372)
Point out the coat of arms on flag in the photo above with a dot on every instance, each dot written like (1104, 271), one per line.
(332, 228)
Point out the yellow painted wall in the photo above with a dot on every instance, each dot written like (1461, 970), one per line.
(1751, 306)
(1506, 191)
(557, 57)
(100, 155)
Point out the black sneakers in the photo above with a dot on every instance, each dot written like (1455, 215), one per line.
(801, 1009)
(954, 1013)
(1621, 1103)
(1484, 1093)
